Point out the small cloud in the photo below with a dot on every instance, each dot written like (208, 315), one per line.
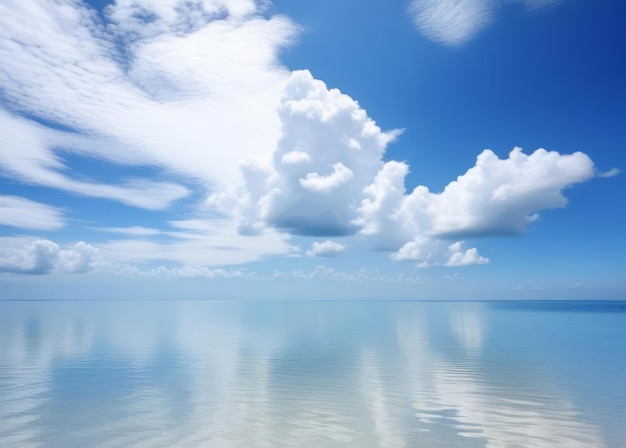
(469, 257)
(451, 22)
(133, 230)
(610, 173)
(456, 22)
(429, 252)
(325, 249)
(294, 157)
(454, 276)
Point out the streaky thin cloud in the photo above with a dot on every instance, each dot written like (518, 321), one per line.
(452, 22)
(158, 94)
(201, 272)
(23, 213)
(133, 230)
(28, 154)
(456, 22)
(610, 173)
(198, 242)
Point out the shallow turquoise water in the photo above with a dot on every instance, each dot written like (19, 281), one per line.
(312, 374)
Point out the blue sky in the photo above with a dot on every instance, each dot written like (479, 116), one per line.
(236, 149)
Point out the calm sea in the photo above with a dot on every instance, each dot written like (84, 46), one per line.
(312, 374)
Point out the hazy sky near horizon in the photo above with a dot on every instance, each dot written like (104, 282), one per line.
(233, 148)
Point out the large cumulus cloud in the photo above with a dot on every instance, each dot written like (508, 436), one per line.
(329, 151)
(496, 197)
(328, 177)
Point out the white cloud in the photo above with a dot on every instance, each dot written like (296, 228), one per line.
(194, 91)
(419, 249)
(500, 196)
(452, 22)
(325, 249)
(427, 252)
(610, 173)
(201, 272)
(195, 245)
(495, 197)
(360, 275)
(320, 127)
(198, 242)
(133, 230)
(323, 130)
(26, 214)
(377, 215)
(460, 257)
(324, 184)
(27, 154)
(45, 256)
(81, 257)
(137, 19)
(295, 157)
(455, 22)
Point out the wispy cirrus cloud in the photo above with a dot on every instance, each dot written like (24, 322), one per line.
(193, 90)
(28, 155)
(452, 22)
(196, 242)
(455, 22)
(133, 230)
(23, 213)
(610, 173)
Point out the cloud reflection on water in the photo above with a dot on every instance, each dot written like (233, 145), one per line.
(273, 375)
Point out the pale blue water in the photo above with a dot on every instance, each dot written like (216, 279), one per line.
(312, 374)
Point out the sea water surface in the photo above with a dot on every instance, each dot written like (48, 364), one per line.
(312, 374)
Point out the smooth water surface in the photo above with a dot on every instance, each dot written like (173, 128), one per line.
(312, 374)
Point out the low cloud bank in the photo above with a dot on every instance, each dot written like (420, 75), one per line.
(45, 256)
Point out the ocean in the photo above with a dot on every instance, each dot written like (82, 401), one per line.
(312, 374)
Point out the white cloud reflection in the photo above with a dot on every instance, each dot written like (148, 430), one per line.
(269, 375)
